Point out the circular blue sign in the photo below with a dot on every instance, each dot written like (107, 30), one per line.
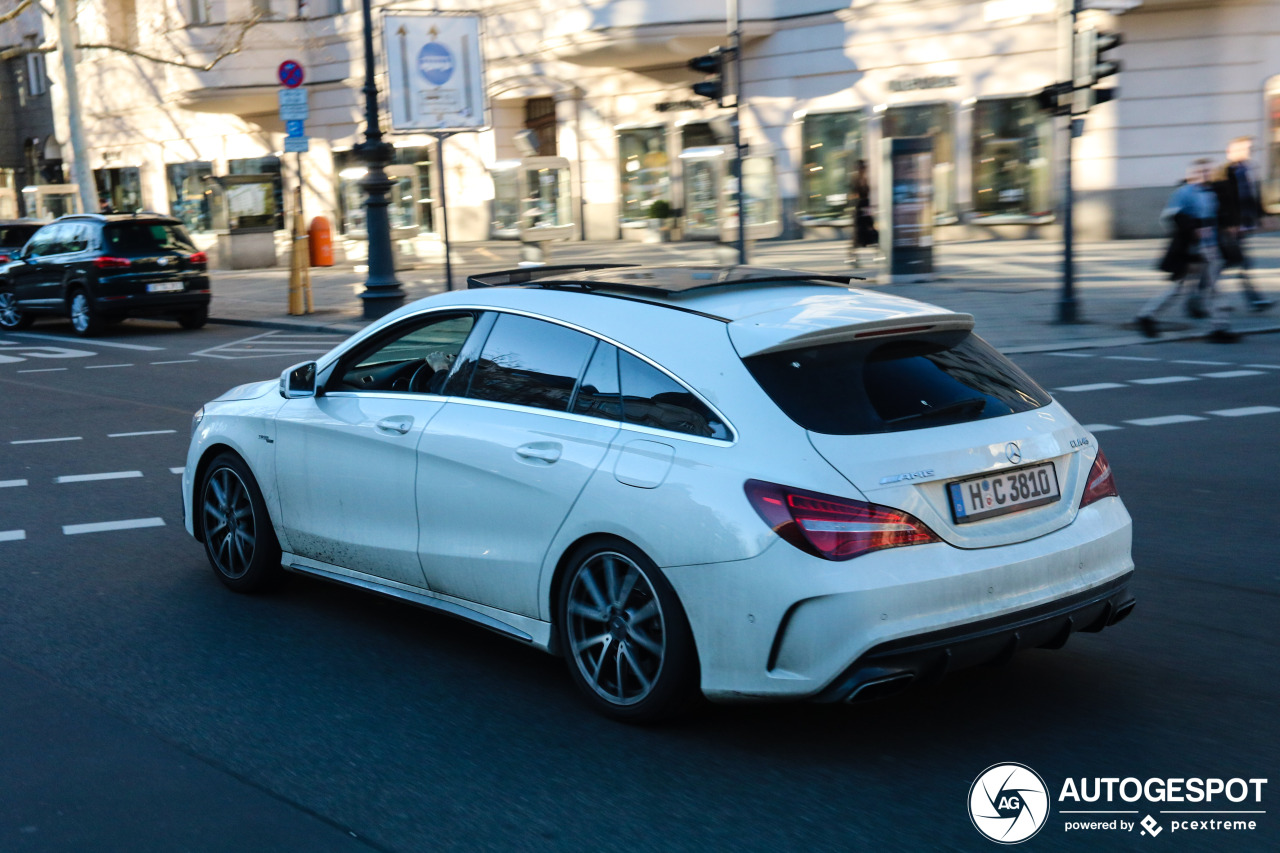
(435, 63)
(290, 74)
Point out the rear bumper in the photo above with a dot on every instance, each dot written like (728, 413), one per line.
(153, 304)
(895, 665)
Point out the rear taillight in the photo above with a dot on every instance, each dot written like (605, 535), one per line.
(109, 263)
(834, 528)
(1101, 484)
(4, 259)
(199, 258)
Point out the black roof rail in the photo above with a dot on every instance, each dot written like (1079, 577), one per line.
(527, 275)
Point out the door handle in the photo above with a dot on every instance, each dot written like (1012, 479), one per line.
(398, 423)
(543, 451)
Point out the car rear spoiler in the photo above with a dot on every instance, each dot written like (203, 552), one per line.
(525, 275)
(753, 337)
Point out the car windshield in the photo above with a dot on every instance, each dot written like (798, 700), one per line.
(16, 236)
(861, 387)
(133, 238)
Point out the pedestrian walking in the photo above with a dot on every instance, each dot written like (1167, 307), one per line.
(1192, 254)
(862, 220)
(1239, 213)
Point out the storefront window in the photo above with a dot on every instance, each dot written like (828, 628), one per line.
(1012, 167)
(410, 205)
(644, 169)
(936, 122)
(187, 199)
(832, 143)
(263, 166)
(119, 190)
(1271, 149)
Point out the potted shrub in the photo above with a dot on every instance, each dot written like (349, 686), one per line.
(659, 221)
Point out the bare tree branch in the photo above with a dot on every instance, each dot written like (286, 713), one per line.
(16, 11)
(234, 47)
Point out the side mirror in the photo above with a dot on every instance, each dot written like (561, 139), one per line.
(298, 381)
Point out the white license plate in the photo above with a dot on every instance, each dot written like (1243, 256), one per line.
(1008, 491)
(165, 287)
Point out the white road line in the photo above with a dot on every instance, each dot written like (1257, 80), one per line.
(47, 440)
(91, 478)
(1129, 358)
(1265, 366)
(147, 432)
(180, 361)
(1232, 413)
(1070, 354)
(104, 366)
(95, 343)
(12, 535)
(1233, 374)
(44, 370)
(1101, 427)
(1097, 386)
(1206, 363)
(1166, 420)
(1163, 380)
(104, 526)
(176, 470)
(11, 484)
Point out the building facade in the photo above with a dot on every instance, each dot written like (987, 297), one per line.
(29, 150)
(192, 99)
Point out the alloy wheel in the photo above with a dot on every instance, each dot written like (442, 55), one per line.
(10, 314)
(229, 524)
(616, 628)
(80, 312)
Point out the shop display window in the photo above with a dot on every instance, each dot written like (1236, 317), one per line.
(644, 171)
(832, 143)
(1012, 162)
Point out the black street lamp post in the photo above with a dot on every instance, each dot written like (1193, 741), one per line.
(382, 293)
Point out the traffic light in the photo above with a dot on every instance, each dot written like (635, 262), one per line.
(715, 65)
(1055, 99)
(1091, 66)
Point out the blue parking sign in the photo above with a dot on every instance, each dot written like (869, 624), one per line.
(294, 127)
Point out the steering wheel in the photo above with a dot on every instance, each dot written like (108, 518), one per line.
(404, 375)
(421, 378)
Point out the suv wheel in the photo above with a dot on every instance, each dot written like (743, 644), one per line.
(194, 319)
(85, 318)
(11, 316)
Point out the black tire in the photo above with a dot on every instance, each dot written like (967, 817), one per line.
(625, 636)
(12, 317)
(195, 318)
(239, 540)
(86, 319)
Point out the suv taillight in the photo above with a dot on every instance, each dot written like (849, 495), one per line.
(1101, 483)
(4, 259)
(109, 263)
(199, 258)
(834, 528)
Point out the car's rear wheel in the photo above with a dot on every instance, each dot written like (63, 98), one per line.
(11, 316)
(625, 635)
(238, 537)
(86, 320)
(195, 318)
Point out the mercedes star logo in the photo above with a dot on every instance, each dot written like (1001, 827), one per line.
(1012, 452)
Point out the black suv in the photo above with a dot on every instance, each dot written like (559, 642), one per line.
(101, 268)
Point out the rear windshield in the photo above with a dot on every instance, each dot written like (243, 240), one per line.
(16, 235)
(133, 238)
(861, 387)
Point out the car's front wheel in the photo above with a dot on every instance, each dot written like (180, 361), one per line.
(86, 319)
(628, 644)
(11, 316)
(238, 537)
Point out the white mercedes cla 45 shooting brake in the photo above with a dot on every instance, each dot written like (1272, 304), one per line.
(755, 484)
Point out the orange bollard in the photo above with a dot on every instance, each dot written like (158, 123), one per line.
(321, 235)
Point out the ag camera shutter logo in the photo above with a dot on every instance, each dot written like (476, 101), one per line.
(1008, 803)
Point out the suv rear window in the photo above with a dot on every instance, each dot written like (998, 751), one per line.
(141, 238)
(862, 387)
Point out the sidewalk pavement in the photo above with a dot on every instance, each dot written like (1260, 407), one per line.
(1012, 287)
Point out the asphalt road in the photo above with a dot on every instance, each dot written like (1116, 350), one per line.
(145, 707)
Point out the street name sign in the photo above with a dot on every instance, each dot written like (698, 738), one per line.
(435, 72)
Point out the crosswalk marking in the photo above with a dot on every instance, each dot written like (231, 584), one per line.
(104, 366)
(1096, 386)
(47, 440)
(144, 432)
(176, 470)
(93, 478)
(1205, 363)
(1166, 420)
(12, 535)
(1163, 380)
(11, 484)
(105, 526)
(1233, 374)
(1100, 427)
(1248, 410)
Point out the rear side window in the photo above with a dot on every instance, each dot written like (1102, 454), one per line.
(862, 387)
(599, 395)
(529, 362)
(652, 398)
(140, 238)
